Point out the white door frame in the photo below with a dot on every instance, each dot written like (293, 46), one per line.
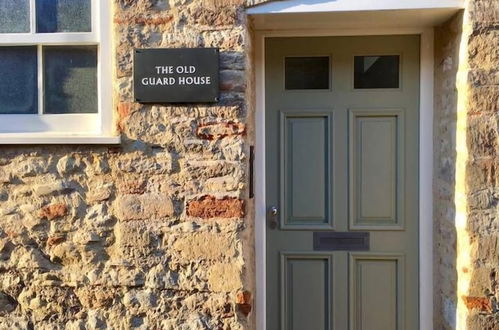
(425, 163)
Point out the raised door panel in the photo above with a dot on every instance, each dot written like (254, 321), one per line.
(306, 292)
(305, 170)
(376, 166)
(376, 292)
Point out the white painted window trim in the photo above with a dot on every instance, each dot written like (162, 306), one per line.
(67, 128)
(425, 164)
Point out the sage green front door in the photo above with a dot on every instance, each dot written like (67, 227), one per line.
(342, 119)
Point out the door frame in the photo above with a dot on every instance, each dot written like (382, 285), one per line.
(425, 161)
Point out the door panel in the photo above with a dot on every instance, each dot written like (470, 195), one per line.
(306, 162)
(306, 285)
(376, 169)
(376, 304)
(350, 166)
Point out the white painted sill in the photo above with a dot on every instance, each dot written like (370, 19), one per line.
(55, 138)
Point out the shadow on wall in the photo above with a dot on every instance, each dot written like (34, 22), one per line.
(447, 43)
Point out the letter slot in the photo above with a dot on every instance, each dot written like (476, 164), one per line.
(341, 241)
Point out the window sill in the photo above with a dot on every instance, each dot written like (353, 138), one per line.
(55, 138)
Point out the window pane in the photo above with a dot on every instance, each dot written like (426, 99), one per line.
(70, 79)
(377, 71)
(63, 16)
(18, 85)
(307, 72)
(14, 16)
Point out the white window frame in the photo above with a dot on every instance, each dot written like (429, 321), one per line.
(93, 128)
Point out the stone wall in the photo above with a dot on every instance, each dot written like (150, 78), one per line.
(447, 46)
(466, 176)
(155, 233)
(481, 171)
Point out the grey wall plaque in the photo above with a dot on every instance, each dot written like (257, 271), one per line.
(177, 75)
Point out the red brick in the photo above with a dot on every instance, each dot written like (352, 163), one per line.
(245, 309)
(243, 297)
(124, 110)
(210, 207)
(53, 211)
(243, 302)
(481, 303)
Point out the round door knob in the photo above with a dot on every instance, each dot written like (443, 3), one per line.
(273, 211)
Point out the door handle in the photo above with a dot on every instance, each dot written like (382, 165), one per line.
(272, 214)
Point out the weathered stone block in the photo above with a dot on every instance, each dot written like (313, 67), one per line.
(132, 187)
(55, 239)
(160, 277)
(134, 235)
(483, 135)
(100, 192)
(207, 246)
(126, 276)
(56, 187)
(97, 216)
(5, 176)
(47, 301)
(96, 297)
(484, 11)
(160, 164)
(479, 78)
(141, 300)
(232, 61)
(483, 100)
(487, 247)
(144, 207)
(140, 19)
(216, 16)
(232, 80)
(483, 50)
(221, 184)
(84, 237)
(482, 173)
(68, 165)
(210, 169)
(214, 131)
(66, 253)
(29, 258)
(33, 167)
(482, 199)
(7, 304)
(225, 277)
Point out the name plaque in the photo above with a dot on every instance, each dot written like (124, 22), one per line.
(177, 75)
